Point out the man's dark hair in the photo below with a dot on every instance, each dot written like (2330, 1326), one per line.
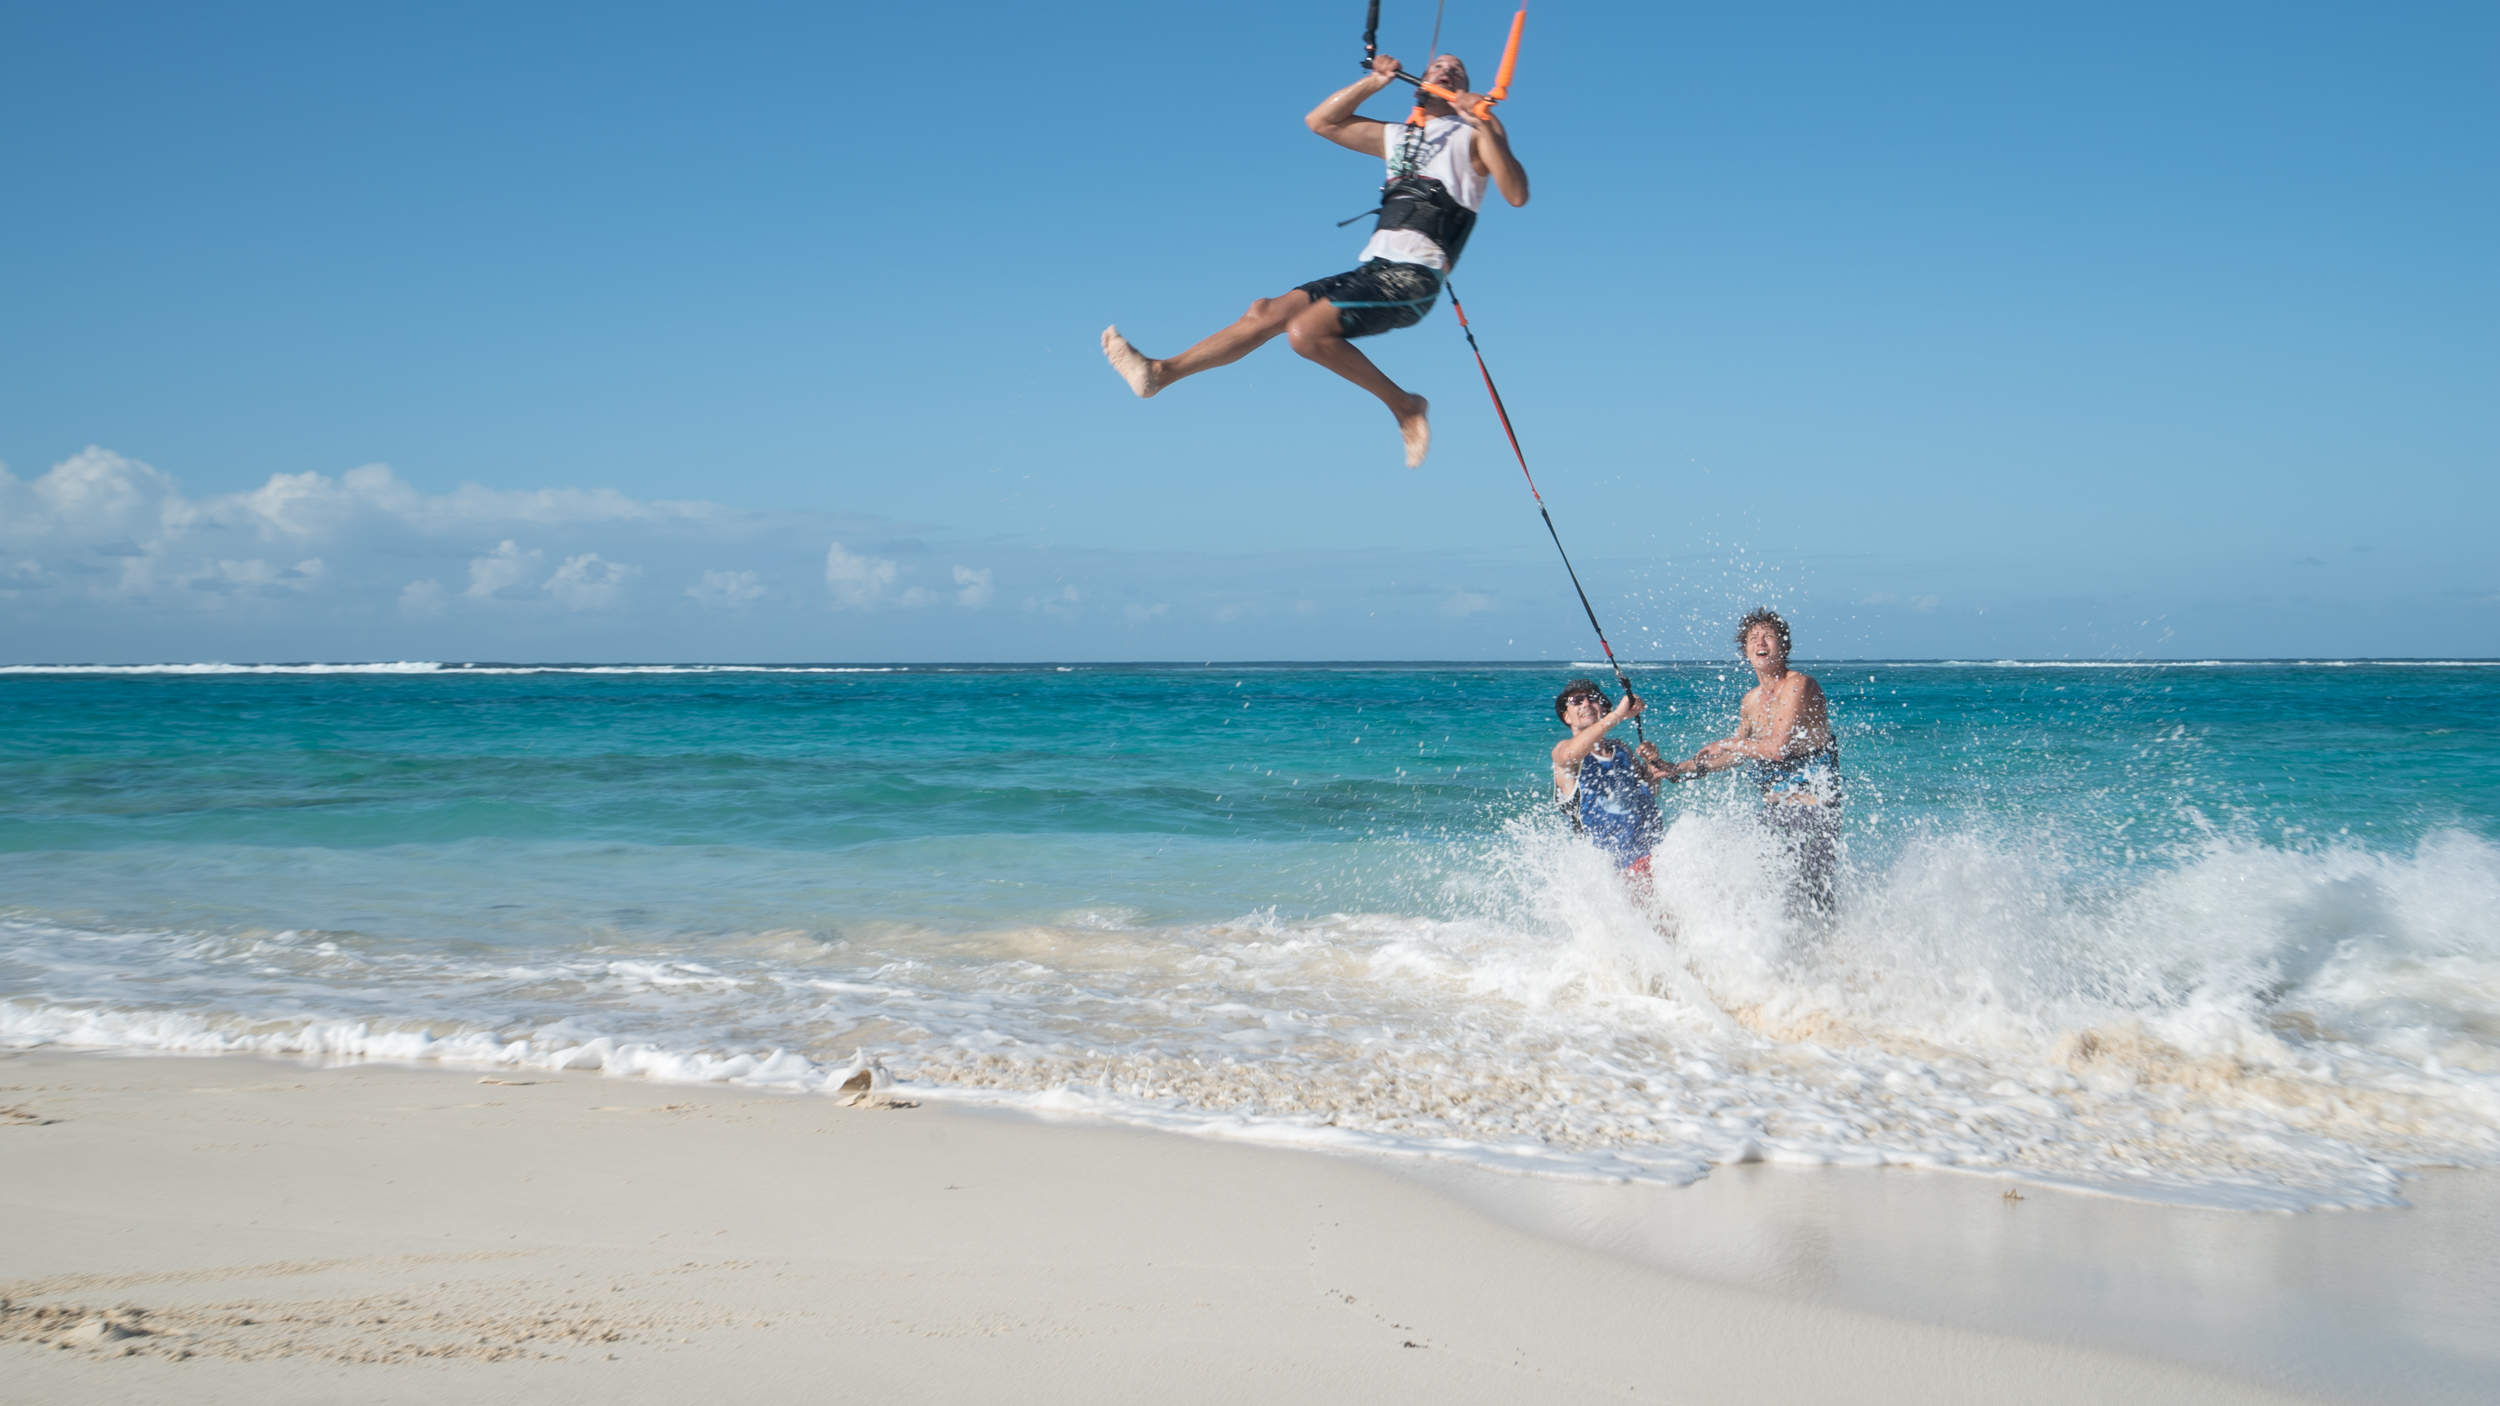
(1763, 616)
(1577, 687)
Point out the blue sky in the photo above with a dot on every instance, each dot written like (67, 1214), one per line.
(767, 332)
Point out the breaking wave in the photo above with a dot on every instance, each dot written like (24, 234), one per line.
(2249, 1025)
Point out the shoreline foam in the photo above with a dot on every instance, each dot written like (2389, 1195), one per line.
(2178, 1042)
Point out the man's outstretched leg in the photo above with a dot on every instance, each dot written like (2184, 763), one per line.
(1317, 332)
(1253, 330)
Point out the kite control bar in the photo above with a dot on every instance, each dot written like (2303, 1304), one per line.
(1501, 76)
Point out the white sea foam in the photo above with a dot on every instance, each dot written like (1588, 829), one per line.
(401, 667)
(2083, 663)
(438, 667)
(2185, 663)
(2251, 1027)
(433, 667)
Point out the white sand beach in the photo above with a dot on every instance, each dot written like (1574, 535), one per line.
(248, 1229)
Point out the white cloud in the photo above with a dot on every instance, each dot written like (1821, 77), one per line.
(96, 495)
(299, 577)
(422, 599)
(726, 590)
(103, 555)
(858, 583)
(92, 495)
(589, 582)
(1063, 604)
(501, 572)
(975, 584)
(1462, 604)
(104, 528)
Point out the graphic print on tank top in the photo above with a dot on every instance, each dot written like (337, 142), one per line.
(1615, 808)
(1447, 156)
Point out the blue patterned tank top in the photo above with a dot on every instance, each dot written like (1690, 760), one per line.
(1614, 807)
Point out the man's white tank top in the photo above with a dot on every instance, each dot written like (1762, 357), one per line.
(1449, 156)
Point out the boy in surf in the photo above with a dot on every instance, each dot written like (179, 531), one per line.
(1603, 786)
(1784, 733)
(1424, 222)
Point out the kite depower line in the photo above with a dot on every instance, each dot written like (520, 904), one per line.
(1414, 134)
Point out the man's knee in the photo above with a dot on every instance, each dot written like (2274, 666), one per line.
(1278, 308)
(1312, 334)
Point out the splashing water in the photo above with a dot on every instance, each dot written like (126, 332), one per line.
(2096, 930)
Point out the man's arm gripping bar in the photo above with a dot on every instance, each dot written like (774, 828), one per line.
(1501, 76)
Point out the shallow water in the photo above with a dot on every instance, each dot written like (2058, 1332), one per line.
(2220, 935)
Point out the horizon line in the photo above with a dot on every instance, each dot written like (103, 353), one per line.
(417, 666)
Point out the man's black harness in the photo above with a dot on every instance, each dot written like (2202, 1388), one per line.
(1424, 205)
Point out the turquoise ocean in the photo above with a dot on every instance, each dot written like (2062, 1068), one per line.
(2221, 934)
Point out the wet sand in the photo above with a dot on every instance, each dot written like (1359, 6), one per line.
(2381, 1305)
(233, 1228)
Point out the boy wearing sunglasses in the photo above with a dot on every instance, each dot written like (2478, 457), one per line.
(1603, 786)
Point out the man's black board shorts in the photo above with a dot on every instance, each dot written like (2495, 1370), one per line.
(1381, 296)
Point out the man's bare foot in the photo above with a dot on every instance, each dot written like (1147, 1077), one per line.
(1131, 363)
(1416, 431)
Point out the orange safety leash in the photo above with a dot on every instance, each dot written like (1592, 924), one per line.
(1414, 124)
(1503, 412)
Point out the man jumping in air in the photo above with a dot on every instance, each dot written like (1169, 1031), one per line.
(1426, 212)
